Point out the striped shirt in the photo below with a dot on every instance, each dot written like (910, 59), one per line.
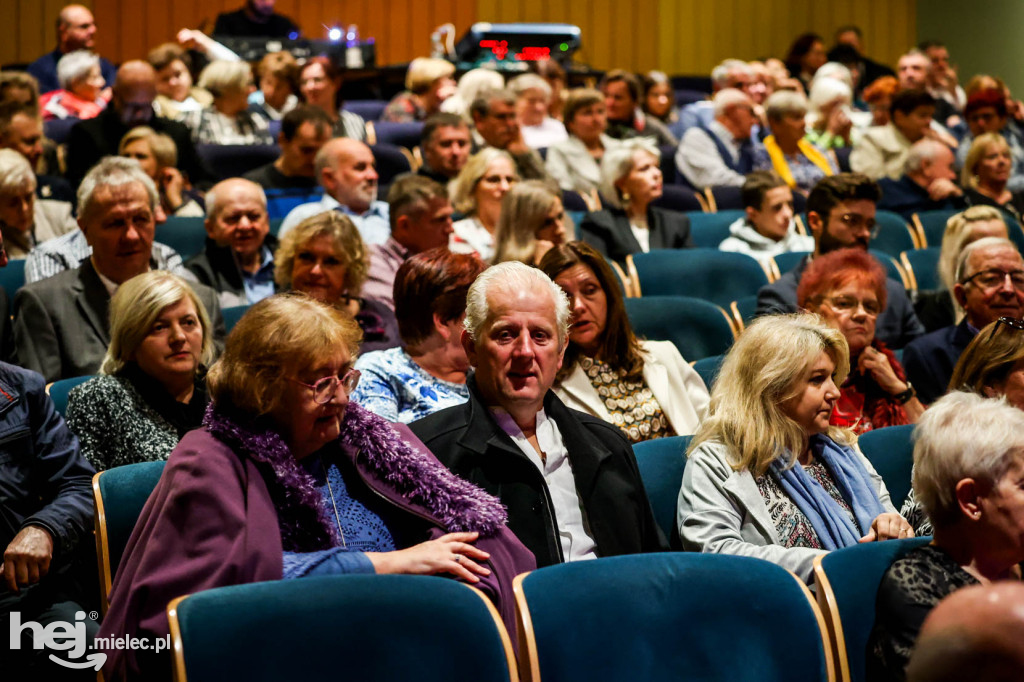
(68, 251)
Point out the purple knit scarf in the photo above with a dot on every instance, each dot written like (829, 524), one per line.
(457, 504)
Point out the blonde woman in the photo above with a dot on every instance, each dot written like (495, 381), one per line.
(151, 390)
(532, 221)
(227, 120)
(768, 476)
(158, 156)
(428, 83)
(476, 192)
(986, 175)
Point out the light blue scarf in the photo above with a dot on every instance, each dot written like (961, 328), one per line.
(829, 520)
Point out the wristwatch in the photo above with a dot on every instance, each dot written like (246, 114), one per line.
(905, 396)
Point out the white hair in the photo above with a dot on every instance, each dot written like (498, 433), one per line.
(921, 151)
(826, 90)
(729, 97)
(721, 74)
(983, 243)
(963, 435)
(617, 162)
(784, 102)
(113, 171)
(835, 71)
(529, 81)
(15, 173)
(513, 277)
(74, 66)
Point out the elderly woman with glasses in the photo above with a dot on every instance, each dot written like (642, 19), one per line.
(288, 479)
(968, 474)
(847, 288)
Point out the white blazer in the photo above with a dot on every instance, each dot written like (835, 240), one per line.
(677, 386)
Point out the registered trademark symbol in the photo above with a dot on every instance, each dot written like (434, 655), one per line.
(94, 615)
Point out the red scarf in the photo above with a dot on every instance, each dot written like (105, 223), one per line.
(863, 405)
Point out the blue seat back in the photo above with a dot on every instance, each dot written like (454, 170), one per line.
(924, 264)
(788, 260)
(853, 575)
(892, 267)
(234, 160)
(368, 109)
(374, 628)
(232, 315)
(933, 225)
(717, 276)
(726, 198)
(12, 276)
(187, 236)
(745, 308)
(894, 234)
(708, 369)
(391, 162)
(60, 389)
(661, 463)
(120, 495)
(673, 616)
(708, 230)
(399, 134)
(58, 129)
(891, 452)
(678, 198)
(697, 328)
(572, 201)
(280, 202)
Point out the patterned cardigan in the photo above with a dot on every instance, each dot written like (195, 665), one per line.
(116, 426)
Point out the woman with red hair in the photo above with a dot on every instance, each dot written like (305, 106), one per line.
(847, 288)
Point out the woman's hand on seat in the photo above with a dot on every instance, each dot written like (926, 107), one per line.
(888, 526)
(451, 553)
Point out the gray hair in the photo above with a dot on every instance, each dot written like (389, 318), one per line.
(826, 90)
(15, 173)
(213, 207)
(835, 71)
(74, 66)
(134, 308)
(529, 81)
(984, 243)
(113, 171)
(618, 162)
(481, 106)
(222, 76)
(784, 102)
(729, 97)
(921, 151)
(963, 435)
(720, 74)
(512, 276)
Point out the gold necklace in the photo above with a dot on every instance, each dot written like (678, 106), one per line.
(334, 504)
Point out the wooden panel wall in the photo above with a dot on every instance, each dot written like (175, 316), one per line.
(678, 36)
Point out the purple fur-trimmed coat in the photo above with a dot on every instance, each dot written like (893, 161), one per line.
(232, 499)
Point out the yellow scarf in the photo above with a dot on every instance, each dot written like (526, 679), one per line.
(781, 166)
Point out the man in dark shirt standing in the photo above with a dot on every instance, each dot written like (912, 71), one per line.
(256, 20)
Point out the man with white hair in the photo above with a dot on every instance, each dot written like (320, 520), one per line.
(989, 285)
(62, 327)
(76, 30)
(569, 480)
(348, 173)
(238, 258)
(927, 184)
(722, 153)
(731, 73)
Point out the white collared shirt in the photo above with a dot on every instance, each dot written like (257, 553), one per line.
(556, 469)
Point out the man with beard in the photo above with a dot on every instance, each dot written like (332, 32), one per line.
(841, 214)
(256, 19)
(348, 173)
(131, 105)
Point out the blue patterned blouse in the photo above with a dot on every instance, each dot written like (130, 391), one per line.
(396, 388)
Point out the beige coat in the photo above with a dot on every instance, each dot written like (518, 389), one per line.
(880, 153)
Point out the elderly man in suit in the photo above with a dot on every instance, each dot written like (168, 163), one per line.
(569, 480)
(61, 328)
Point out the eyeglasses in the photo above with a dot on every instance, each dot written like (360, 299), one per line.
(326, 388)
(849, 304)
(990, 279)
(856, 221)
(1010, 322)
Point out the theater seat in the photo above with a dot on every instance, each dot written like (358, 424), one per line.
(679, 198)
(59, 390)
(235, 160)
(717, 276)
(187, 236)
(708, 230)
(391, 162)
(372, 628)
(661, 463)
(367, 109)
(697, 328)
(399, 134)
(891, 452)
(931, 225)
(922, 267)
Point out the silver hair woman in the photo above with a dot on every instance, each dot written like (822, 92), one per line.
(227, 120)
(82, 91)
(152, 389)
(532, 221)
(969, 477)
(796, 160)
(767, 475)
(24, 220)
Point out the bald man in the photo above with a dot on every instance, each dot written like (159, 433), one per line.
(131, 105)
(76, 30)
(976, 633)
(347, 171)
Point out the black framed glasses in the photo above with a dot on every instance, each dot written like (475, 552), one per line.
(992, 278)
(326, 388)
(1011, 322)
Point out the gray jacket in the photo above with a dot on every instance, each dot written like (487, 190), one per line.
(721, 511)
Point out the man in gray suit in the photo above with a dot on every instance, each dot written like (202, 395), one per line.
(61, 326)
